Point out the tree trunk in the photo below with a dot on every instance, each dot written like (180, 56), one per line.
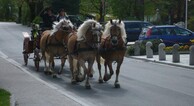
(32, 11)
(19, 14)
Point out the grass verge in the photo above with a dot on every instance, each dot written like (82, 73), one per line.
(4, 97)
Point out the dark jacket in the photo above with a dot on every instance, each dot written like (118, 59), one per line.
(48, 20)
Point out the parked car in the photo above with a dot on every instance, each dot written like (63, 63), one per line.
(75, 20)
(169, 34)
(134, 28)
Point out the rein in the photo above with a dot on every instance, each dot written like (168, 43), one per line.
(107, 46)
(59, 43)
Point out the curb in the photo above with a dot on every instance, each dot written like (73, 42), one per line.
(13, 102)
(162, 62)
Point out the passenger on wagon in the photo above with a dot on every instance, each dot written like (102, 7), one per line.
(62, 15)
(48, 18)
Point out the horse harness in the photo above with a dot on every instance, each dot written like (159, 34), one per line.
(107, 46)
(59, 43)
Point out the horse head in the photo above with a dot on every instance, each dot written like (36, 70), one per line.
(90, 31)
(65, 25)
(117, 32)
(96, 32)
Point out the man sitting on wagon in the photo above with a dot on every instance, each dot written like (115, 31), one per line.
(35, 35)
(48, 18)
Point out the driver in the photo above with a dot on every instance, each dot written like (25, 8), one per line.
(48, 18)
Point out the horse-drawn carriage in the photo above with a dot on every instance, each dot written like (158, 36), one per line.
(85, 45)
(31, 44)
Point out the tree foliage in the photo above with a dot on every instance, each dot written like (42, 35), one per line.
(170, 11)
(127, 9)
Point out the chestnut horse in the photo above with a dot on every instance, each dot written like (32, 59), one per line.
(54, 43)
(82, 48)
(112, 49)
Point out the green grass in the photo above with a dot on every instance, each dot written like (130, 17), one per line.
(4, 98)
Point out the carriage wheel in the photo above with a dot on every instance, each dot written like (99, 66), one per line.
(25, 58)
(25, 50)
(36, 58)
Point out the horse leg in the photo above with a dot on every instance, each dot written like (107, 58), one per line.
(90, 64)
(45, 63)
(117, 85)
(108, 76)
(91, 73)
(105, 73)
(51, 60)
(87, 71)
(99, 69)
(81, 77)
(63, 59)
(53, 64)
(73, 74)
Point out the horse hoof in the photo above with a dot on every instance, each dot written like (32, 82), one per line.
(88, 87)
(46, 72)
(100, 81)
(73, 82)
(80, 78)
(117, 85)
(106, 77)
(91, 75)
(60, 73)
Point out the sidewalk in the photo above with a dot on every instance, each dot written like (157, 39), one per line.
(184, 60)
(29, 91)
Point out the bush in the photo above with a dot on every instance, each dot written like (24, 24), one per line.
(130, 50)
(155, 42)
(37, 20)
(190, 23)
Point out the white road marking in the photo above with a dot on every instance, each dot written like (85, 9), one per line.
(42, 81)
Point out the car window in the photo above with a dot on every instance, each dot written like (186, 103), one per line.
(170, 31)
(163, 31)
(156, 31)
(182, 32)
(132, 26)
(146, 24)
(144, 31)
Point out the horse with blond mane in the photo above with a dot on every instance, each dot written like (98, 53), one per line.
(54, 43)
(112, 49)
(82, 48)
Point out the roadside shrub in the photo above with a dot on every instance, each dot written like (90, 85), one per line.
(155, 42)
(130, 50)
(190, 23)
(37, 20)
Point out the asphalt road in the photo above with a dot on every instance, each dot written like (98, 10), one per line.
(142, 83)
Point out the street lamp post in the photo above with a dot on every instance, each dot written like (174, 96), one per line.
(186, 12)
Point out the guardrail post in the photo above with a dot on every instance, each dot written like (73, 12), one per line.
(149, 51)
(175, 53)
(137, 48)
(191, 59)
(161, 52)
